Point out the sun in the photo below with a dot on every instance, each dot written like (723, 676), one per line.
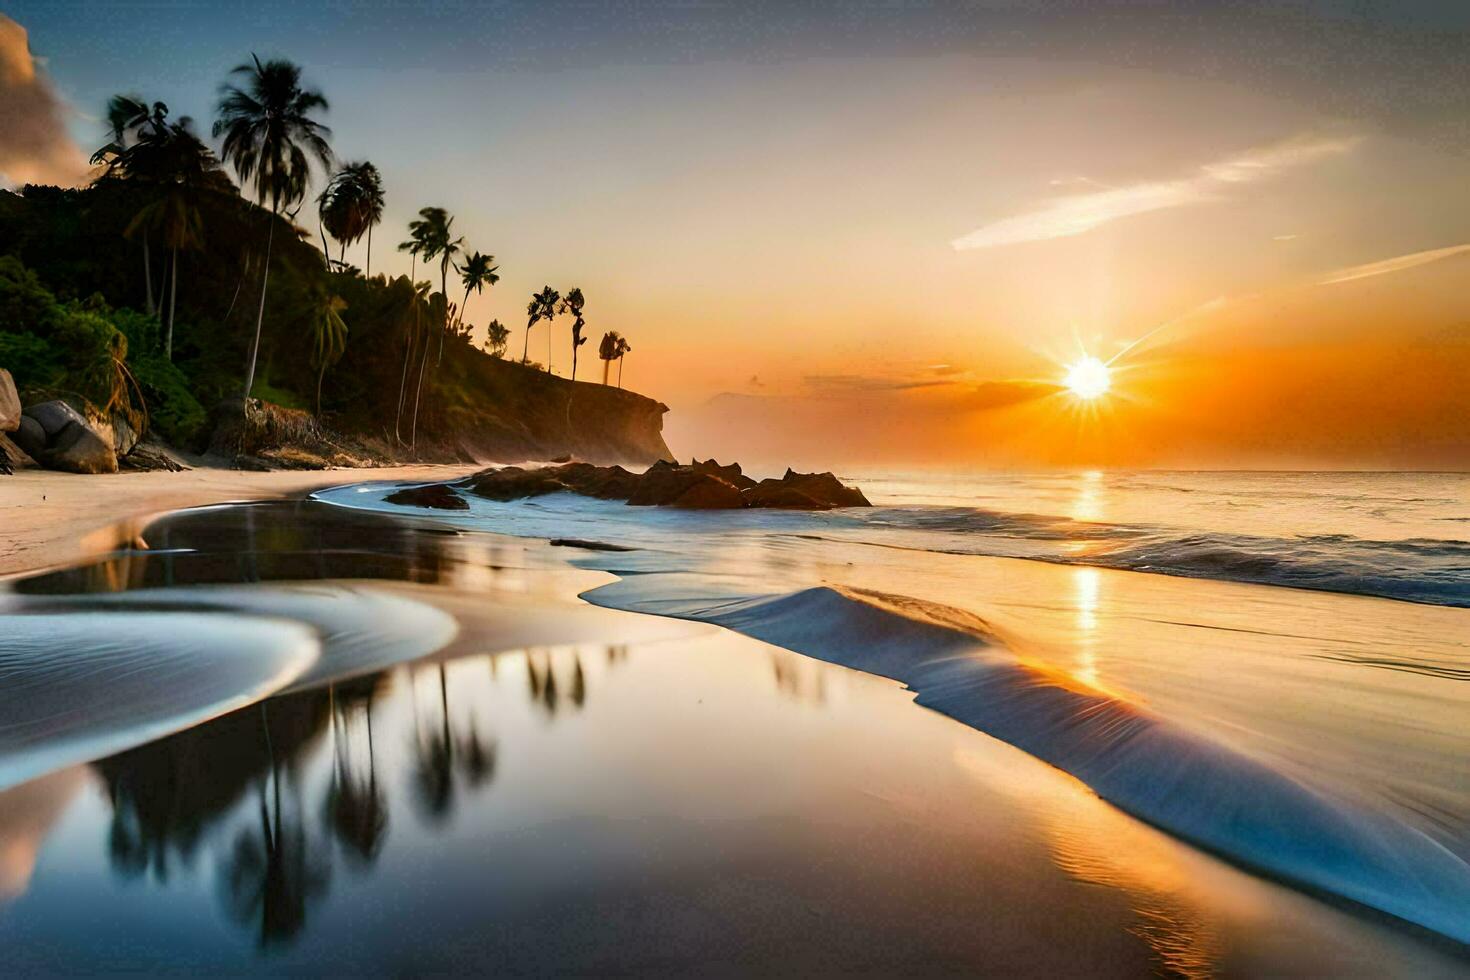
(1088, 378)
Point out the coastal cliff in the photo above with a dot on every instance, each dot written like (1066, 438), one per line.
(504, 412)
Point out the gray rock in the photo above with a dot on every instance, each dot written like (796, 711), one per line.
(30, 437)
(54, 416)
(9, 403)
(79, 449)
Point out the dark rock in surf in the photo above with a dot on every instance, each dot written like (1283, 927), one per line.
(435, 495)
(825, 488)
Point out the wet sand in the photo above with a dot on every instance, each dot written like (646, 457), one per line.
(564, 788)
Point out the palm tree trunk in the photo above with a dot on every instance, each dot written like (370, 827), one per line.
(265, 276)
(408, 349)
(148, 274)
(320, 371)
(574, 357)
(443, 291)
(244, 266)
(620, 372)
(369, 273)
(173, 296)
(413, 435)
(606, 368)
(326, 252)
(548, 347)
(526, 347)
(463, 305)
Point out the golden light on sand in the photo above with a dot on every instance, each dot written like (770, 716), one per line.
(1087, 378)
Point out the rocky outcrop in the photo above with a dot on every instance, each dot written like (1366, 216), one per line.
(66, 440)
(701, 485)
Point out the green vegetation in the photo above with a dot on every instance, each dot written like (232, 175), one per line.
(161, 291)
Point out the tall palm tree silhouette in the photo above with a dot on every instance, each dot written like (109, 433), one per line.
(270, 138)
(541, 307)
(573, 304)
(478, 271)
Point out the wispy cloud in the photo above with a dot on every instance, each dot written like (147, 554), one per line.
(1396, 264)
(34, 145)
(834, 383)
(1074, 214)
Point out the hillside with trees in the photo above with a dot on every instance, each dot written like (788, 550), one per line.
(195, 294)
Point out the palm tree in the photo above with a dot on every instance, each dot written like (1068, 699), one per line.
(129, 117)
(350, 205)
(479, 270)
(269, 135)
(608, 351)
(184, 169)
(435, 227)
(178, 169)
(329, 334)
(439, 228)
(370, 199)
(622, 351)
(414, 246)
(573, 304)
(541, 307)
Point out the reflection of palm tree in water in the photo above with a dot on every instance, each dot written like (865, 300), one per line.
(541, 680)
(271, 877)
(438, 754)
(357, 811)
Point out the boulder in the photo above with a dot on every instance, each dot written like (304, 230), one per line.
(775, 493)
(660, 486)
(30, 437)
(54, 416)
(825, 488)
(710, 493)
(435, 495)
(9, 403)
(77, 448)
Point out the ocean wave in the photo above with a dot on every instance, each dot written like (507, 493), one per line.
(1253, 811)
(151, 662)
(1427, 570)
(1413, 570)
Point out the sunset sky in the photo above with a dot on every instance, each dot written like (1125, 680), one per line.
(876, 232)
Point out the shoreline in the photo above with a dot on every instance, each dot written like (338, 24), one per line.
(53, 518)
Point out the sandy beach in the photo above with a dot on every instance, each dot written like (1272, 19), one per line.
(51, 518)
(459, 740)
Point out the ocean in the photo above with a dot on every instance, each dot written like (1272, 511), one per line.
(1270, 665)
